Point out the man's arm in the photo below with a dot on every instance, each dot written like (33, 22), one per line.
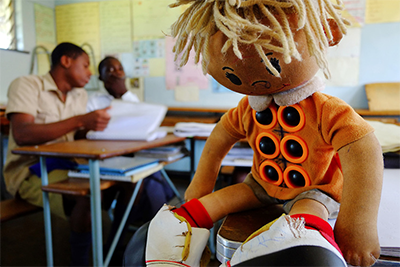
(217, 146)
(27, 132)
(356, 226)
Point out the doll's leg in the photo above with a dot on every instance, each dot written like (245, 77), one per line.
(179, 236)
(234, 198)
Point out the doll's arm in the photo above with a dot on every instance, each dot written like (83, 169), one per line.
(217, 146)
(356, 226)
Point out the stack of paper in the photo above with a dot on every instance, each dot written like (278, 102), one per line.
(387, 134)
(188, 129)
(389, 214)
(239, 156)
(121, 168)
(164, 153)
(132, 121)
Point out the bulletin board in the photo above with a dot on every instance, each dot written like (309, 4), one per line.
(45, 37)
(137, 32)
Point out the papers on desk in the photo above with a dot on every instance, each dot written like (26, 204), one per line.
(164, 153)
(239, 156)
(189, 129)
(389, 214)
(387, 134)
(121, 169)
(132, 121)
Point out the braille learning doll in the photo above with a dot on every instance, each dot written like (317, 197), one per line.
(313, 153)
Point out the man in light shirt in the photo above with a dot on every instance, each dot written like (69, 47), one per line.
(155, 191)
(112, 74)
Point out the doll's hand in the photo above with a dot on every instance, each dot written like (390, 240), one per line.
(358, 241)
(356, 226)
(217, 146)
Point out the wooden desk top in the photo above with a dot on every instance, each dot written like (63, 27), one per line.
(366, 112)
(95, 149)
(198, 109)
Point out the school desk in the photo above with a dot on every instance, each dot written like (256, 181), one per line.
(93, 151)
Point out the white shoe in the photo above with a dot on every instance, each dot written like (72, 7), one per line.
(286, 242)
(171, 241)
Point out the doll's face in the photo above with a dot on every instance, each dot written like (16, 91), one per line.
(250, 76)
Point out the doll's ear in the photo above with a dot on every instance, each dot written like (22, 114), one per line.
(336, 33)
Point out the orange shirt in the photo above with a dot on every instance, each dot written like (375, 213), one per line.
(296, 146)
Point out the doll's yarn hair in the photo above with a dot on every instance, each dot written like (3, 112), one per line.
(239, 20)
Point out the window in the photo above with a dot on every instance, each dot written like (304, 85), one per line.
(7, 24)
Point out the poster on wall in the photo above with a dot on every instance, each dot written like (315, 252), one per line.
(382, 11)
(152, 18)
(45, 37)
(70, 20)
(344, 60)
(147, 58)
(189, 75)
(115, 26)
(355, 12)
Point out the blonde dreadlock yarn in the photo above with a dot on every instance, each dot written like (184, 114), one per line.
(240, 21)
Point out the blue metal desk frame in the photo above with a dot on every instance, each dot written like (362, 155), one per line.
(95, 203)
(95, 196)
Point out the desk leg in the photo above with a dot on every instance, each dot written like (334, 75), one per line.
(122, 223)
(171, 184)
(192, 155)
(46, 213)
(95, 204)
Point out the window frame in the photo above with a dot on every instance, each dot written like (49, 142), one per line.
(13, 41)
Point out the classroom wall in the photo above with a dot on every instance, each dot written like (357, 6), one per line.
(379, 62)
(14, 63)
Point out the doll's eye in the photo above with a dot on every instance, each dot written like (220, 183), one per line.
(274, 63)
(233, 78)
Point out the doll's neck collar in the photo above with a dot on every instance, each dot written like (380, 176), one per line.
(287, 98)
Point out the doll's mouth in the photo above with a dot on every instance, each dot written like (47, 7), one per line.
(264, 84)
(267, 85)
(283, 86)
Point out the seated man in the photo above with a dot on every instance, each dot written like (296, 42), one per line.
(52, 108)
(112, 74)
(155, 191)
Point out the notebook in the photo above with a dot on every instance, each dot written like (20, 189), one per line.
(120, 165)
(130, 176)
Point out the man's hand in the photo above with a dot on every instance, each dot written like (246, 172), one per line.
(96, 120)
(26, 132)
